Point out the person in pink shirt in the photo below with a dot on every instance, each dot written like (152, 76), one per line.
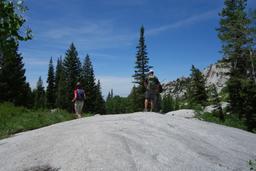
(78, 100)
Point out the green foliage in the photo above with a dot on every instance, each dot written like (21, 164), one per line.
(233, 32)
(50, 91)
(230, 120)
(252, 164)
(215, 101)
(117, 105)
(17, 119)
(248, 96)
(224, 96)
(72, 74)
(141, 69)
(99, 102)
(13, 84)
(237, 33)
(197, 88)
(88, 82)
(142, 60)
(61, 98)
(12, 22)
(167, 104)
(39, 95)
(136, 99)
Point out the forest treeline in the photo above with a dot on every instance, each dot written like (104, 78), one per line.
(236, 31)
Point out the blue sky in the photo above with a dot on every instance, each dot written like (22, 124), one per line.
(179, 33)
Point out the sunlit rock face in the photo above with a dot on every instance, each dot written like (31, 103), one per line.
(214, 74)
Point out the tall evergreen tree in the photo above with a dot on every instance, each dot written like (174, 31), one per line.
(110, 95)
(141, 65)
(72, 74)
(141, 69)
(136, 99)
(248, 94)
(252, 45)
(39, 94)
(197, 89)
(51, 91)
(99, 102)
(233, 32)
(13, 86)
(88, 82)
(61, 98)
(58, 72)
(109, 102)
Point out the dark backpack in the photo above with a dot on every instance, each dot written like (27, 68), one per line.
(152, 82)
(80, 94)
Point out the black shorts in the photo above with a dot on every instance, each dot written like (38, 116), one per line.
(150, 95)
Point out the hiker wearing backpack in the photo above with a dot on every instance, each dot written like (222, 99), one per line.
(153, 87)
(78, 100)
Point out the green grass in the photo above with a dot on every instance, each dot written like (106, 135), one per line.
(17, 119)
(252, 164)
(230, 120)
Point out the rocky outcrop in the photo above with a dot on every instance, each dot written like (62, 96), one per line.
(214, 74)
(217, 75)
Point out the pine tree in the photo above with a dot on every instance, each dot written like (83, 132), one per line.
(141, 69)
(136, 99)
(61, 94)
(215, 100)
(117, 105)
(13, 86)
(233, 32)
(58, 72)
(50, 92)
(39, 94)
(99, 102)
(248, 94)
(109, 102)
(197, 89)
(88, 81)
(252, 45)
(167, 104)
(72, 74)
(142, 60)
(110, 95)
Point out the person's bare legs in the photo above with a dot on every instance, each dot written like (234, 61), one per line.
(151, 105)
(146, 105)
(78, 109)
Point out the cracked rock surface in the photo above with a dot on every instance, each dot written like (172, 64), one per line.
(130, 142)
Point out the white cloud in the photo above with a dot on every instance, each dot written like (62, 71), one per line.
(91, 34)
(185, 22)
(120, 85)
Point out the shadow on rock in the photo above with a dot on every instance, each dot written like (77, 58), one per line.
(42, 168)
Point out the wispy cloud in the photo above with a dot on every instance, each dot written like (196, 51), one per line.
(91, 35)
(184, 22)
(103, 34)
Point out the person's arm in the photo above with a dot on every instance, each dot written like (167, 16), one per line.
(75, 96)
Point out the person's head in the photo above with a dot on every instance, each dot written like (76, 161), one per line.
(78, 85)
(151, 72)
